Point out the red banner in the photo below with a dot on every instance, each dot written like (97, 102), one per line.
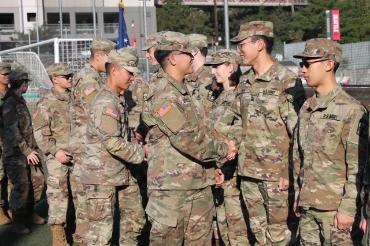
(335, 25)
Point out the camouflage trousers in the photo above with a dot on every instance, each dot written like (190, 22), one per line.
(82, 221)
(317, 228)
(59, 178)
(268, 211)
(230, 218)
(100, 209)
(5, 186)
(132, 214)
(181, 217)
(28, 184)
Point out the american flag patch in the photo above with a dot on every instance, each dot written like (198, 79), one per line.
(89, 90)
(111, 112)
(164, 109)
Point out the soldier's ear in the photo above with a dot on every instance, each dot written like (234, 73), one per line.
(329, 65)
(172, 60)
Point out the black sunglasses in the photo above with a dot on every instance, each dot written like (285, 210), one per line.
(5, 74)
(67, 77)
(307, 64)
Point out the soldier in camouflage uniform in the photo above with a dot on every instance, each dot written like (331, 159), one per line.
(180, 204)
(86, 84)
(4, 80)
(52, 131)
(331, 145)
(268, 99)
(230, 219)
(108, 152)
(21, 154)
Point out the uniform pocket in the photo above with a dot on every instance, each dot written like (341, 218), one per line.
(99, 204)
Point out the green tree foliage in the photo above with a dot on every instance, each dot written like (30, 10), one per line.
(304, 23)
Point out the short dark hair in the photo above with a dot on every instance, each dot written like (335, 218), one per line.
(269, 41)
(108, 67)
(161, 55)
(336, 66)
(16, 84)
(204, 51)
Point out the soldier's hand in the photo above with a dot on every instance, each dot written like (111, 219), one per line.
(62, 156)
(296, 210)
(146, 150)
(33, 159)
(220, 177)
(283, 184)
(363, 225)
(232, 150)
(139, 138)
(343, 221)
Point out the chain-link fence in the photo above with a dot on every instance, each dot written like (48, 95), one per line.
(355, 68)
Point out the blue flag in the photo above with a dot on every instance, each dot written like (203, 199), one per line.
(123, 40)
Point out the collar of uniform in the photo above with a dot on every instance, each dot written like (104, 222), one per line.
(269, 75)
(62, 96)
(322, 102)
(195, 75)
(100, 80)
(107, 88)
(178, 85)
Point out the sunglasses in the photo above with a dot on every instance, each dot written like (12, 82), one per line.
(5, 74)
(307, 64)
(67, 77)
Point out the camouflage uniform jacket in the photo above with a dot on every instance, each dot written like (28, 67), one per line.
(268, 107)
(220, 106)
(332, 142)
(107, 147)
(17, 134)
(86, 84)
(199, 84)
(176, 141)
(1, 126)
(134, 98)
(52, 122)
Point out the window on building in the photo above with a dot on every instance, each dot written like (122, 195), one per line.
(84, 18)
(53, 18)
(31, 17)
(111, 17)
(6, 19)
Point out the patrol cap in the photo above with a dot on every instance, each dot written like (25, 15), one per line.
(103, 44)
(58, 69)
(223, 56)
(151, 41)
(321, 48)
(4, 67)
(126, 58)
(174, 41)
(198, 40)
(264, 28)
(18, 74)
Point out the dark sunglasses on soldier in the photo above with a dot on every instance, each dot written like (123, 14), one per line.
(307, 63)
(5, 74)
(67, 77)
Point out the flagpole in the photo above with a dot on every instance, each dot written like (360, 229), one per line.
(145, 35)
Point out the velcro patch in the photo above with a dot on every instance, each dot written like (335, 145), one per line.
(172, 117)
(112, 112)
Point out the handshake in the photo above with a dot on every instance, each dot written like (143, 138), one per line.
(232, 150)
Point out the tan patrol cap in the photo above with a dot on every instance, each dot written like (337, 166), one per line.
(103, 44)
(174, 41)
(264, 28)
(223, 56)
(126, 58)
(4, 67)
(151, 41)
(321, 48)
(58, 69)
(198, 40)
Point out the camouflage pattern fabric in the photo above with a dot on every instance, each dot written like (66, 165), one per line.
(268, 108)
(332, 143)
(52, 132)
(18, 142)
(180, 217)
(230, 219)
(264, 28)
(321, 48)
(3, 177)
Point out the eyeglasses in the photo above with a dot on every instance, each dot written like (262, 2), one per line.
(307, 64)
(67, 77)
(240, 45)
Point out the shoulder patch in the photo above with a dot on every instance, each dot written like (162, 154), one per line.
(164, 109)
(88, 90)
(111, 112)
(171, 116)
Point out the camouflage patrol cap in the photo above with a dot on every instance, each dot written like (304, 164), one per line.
(58, 69)
(172, 41)
(264, 28)
(321, 48)
(103, 44)
(151, 41)
(223, 56)
(4, 67)
(198, 40)
(126, 58)
(18, 73)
